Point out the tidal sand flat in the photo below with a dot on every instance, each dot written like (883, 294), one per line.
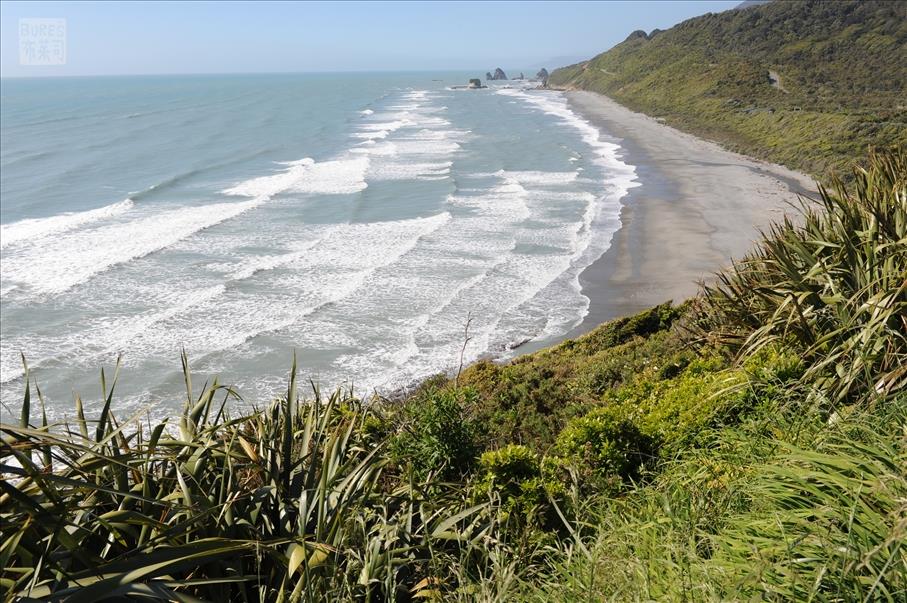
(697, 206)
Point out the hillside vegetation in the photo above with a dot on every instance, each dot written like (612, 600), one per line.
(747, 445)
(808, 84)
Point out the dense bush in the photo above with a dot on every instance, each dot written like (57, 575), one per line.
(513, 475)
(786, 507)
(530, 399)
(535, 495)
(436, 434)
(605, 444)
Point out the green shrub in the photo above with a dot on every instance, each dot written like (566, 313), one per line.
(513, 475)
(673, 412)
(677, 411)
(774, 365)
(622, 330)
(530, 399)
(787, 506)
(605, 444)
(436, 435)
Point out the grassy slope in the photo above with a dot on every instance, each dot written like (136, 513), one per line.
(841, 64)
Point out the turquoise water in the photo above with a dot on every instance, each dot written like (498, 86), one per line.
(359, 220)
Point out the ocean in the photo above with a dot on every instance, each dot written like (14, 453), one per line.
(369, 223)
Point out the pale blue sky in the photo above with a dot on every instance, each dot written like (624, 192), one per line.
(110, 38)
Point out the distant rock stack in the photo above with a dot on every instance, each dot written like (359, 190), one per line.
(542, 77)
(488, 75)
(499, 74)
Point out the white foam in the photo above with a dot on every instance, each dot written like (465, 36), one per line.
(370, 136)
(384, 149)
(388, 126)
(539, 178)
(426, 146)
(25, 230)
(381, 129)
(517, 295)
(504, 203)
(366, 112)
(477, 255)
(398, 293)
(323, 272)
(417, 142)
(335, 177)
(556, 104)
(407, 170)
(103, 336)
(252, 266)
(216, 317)
(55, 264)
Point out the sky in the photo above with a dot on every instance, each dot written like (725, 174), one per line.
(129, 38)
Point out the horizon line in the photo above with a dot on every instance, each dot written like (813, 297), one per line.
(206, 73)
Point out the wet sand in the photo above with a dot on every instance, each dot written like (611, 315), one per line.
(697, 206)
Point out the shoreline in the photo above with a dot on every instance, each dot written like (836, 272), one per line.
(696, 207)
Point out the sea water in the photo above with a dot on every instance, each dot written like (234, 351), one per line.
(381, 227)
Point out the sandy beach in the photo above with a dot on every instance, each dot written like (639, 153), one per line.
(697, 206)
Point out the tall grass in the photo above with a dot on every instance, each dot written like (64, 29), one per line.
(289, 502)
(833, 288)
(782, 509)
(829, 523)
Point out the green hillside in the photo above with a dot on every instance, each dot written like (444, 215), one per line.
(806, 84)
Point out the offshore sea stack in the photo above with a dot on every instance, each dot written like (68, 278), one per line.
(498, 74)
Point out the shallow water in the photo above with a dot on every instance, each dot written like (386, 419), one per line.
(357, 219)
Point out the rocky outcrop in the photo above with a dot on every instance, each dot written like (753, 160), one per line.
(488, 75)
(499, 74)
(542, 77)
(474, 83)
